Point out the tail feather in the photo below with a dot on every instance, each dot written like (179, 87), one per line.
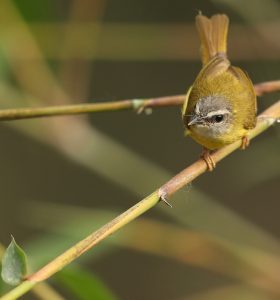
(213, 35)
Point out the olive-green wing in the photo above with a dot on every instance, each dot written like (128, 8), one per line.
(251, 104)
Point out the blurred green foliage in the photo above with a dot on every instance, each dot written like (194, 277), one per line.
(81, 172)
(83, 284)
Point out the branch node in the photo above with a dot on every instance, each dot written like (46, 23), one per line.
(163, 197)
(138, 105)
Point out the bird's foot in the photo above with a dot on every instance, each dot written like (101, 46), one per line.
(206, 156)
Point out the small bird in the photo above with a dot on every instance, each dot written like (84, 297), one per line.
(220, 106)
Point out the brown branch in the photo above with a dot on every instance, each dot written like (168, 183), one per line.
(267, 87)
(265, 120)
(136, 104)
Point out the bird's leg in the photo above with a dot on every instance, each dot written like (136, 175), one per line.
(245, 142)
(206, 156)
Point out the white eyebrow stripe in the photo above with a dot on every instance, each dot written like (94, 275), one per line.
(217, 112)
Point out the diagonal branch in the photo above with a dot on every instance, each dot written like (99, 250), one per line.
(265, 120)
(136, 104)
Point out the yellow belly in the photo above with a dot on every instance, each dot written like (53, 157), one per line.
(212, 143)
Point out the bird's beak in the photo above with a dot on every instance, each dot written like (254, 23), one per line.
(194, 120)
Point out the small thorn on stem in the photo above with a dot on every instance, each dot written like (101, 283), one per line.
(163, 197)
(138, 105)
(147, 110)
(140, 110)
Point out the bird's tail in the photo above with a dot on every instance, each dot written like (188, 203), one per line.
(213, 35)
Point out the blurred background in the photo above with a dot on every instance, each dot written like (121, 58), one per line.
(63, 177)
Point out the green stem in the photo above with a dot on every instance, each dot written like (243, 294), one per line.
(18, 291)
(265, 120)
(94, 238)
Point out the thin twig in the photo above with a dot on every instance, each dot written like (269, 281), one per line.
(265, 120)
(136, 104)
(75, 109)
(267, 87)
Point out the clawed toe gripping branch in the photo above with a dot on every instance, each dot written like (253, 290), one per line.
(265, 120)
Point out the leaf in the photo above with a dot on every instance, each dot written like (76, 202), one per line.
(13, 264)
(83, 284)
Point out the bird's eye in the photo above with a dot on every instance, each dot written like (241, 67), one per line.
(218, 118)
